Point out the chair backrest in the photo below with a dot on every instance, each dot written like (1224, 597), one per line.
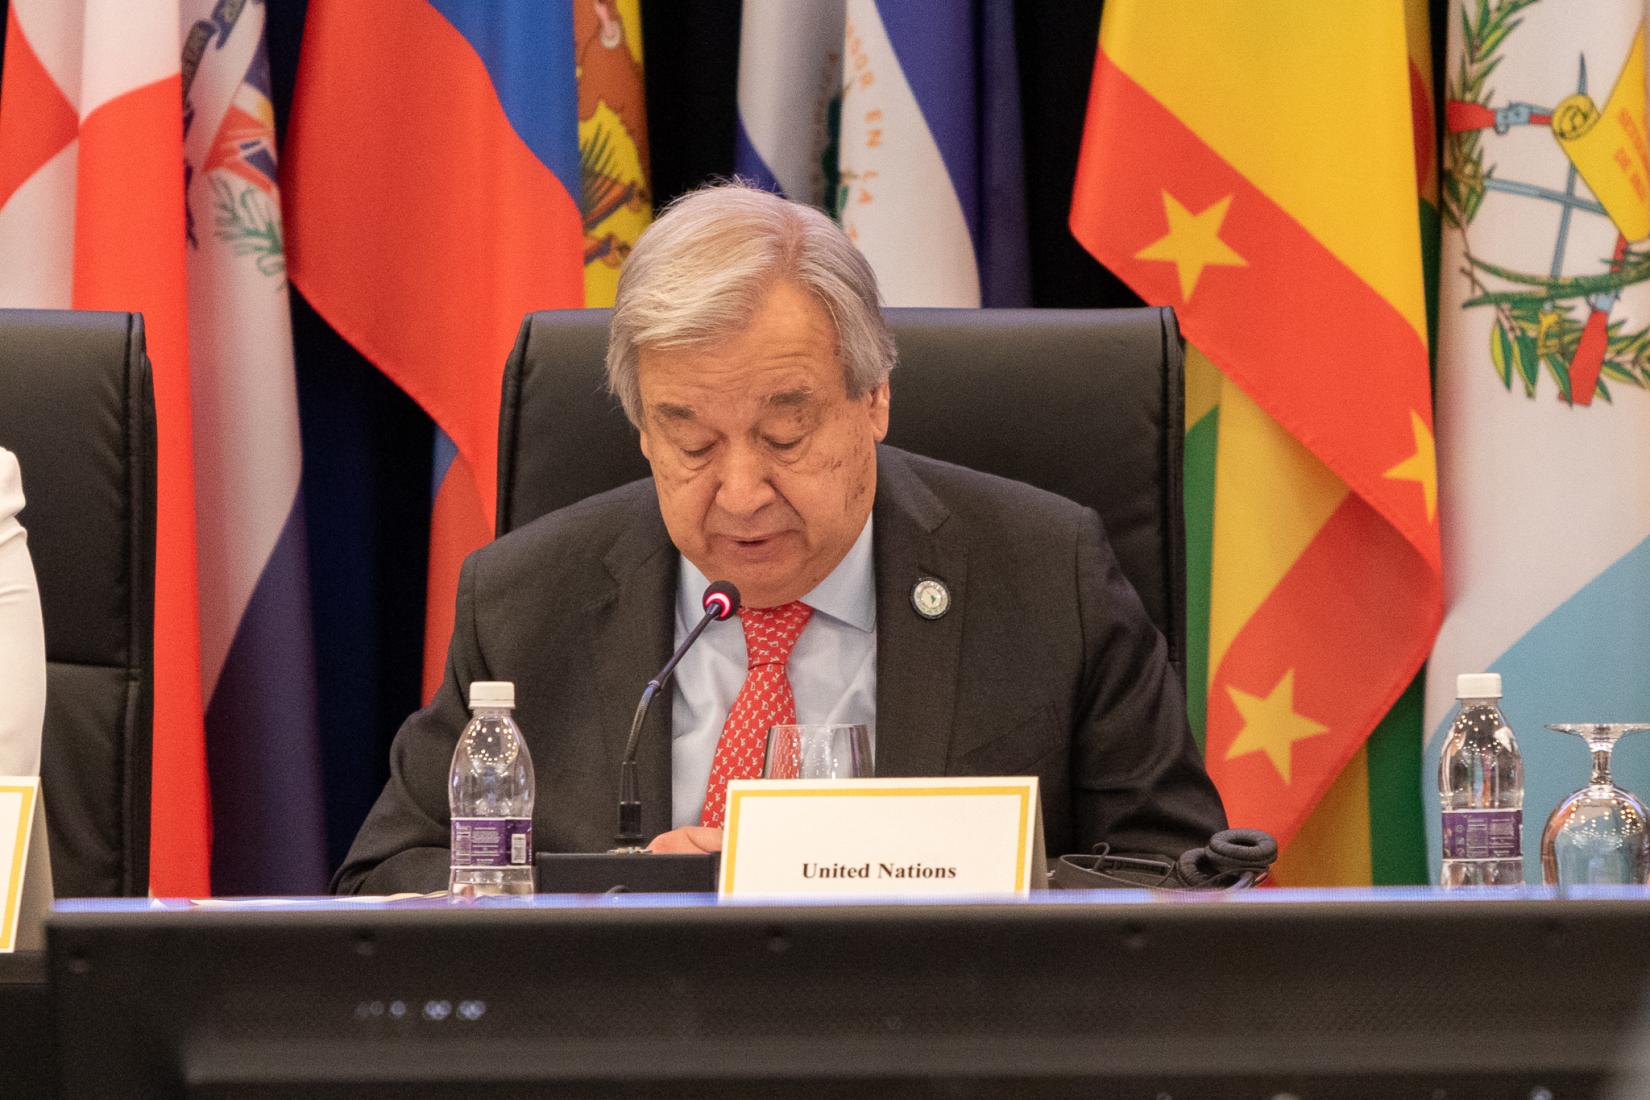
(1088, 404)
(77, 408)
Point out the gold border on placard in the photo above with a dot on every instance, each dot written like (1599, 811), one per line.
(1022, 869)
(14, 895)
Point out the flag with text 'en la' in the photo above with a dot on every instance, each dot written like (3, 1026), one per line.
(431, 206)
(92, 216)
(902, 121)
(1258, 174)
(1544, 384)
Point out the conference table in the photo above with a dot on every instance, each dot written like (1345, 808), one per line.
(1510, 992)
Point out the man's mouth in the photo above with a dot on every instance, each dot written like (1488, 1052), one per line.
(752, 542)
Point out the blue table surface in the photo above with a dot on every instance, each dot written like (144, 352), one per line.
(1385, 895)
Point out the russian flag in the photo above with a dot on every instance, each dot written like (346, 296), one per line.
(432, 182)
(902, 120)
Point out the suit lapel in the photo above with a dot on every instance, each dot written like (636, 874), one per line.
(633, 628)
(917, 658)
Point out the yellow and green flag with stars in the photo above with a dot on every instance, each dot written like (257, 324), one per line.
(1258, 172)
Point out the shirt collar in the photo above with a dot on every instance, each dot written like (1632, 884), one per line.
(847, 594)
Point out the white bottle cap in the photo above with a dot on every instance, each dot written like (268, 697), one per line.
(492, 693)
(1478, 685)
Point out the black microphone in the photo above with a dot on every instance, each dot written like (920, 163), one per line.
(721, 601)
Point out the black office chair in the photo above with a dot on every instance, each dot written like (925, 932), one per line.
(1085, 403)
(77, 408)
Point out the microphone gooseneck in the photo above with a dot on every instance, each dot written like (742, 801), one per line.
(720, 601)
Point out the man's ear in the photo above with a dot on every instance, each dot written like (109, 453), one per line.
(878, 410)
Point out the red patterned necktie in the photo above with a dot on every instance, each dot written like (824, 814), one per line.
(765, 700)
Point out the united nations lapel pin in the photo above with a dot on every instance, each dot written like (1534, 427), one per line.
(931, 598)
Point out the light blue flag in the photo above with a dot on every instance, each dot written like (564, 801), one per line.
(1544, 437)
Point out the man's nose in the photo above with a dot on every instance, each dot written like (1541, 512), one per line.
(744, 488)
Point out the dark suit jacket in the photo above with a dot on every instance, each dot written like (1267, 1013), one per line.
(1046, 665)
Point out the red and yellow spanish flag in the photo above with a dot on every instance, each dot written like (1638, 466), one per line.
(1257, 171)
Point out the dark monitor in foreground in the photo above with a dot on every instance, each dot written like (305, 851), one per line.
(1066, 996)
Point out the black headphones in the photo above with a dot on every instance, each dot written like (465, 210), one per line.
(1233, 859)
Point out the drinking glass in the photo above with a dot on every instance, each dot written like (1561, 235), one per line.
(1598, 834)
(818, 752)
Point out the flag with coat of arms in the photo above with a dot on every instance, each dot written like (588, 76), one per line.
(1544, 384)
(901, 121)
(257, 650)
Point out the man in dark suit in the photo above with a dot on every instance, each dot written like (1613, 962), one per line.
(977, 625)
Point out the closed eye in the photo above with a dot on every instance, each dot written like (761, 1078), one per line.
(785, 444)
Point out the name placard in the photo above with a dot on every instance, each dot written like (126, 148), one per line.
(882, 837)
(23, 859)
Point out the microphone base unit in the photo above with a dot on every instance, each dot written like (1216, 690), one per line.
(627, 872)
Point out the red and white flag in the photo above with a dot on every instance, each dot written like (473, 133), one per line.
(92, 217)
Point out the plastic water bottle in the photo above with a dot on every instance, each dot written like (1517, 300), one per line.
(490, 798)
(1481, 790)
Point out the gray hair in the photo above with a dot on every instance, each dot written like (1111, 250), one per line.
(701, 270)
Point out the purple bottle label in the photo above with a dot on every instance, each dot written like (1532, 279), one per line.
(1483, 834)
(492, 842)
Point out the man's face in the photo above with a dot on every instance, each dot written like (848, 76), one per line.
(765, 467)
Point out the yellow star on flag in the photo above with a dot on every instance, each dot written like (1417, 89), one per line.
(1271, 725)
(1420, 467)
(1193, 242)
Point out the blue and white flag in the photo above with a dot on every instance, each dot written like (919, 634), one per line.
(1543, 387)
(257, 652)
(915, 146)
(789, 96)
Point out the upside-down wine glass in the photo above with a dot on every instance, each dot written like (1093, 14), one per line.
(818, 752)
(1600, 833)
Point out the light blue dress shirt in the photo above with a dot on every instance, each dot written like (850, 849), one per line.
(833, 669)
